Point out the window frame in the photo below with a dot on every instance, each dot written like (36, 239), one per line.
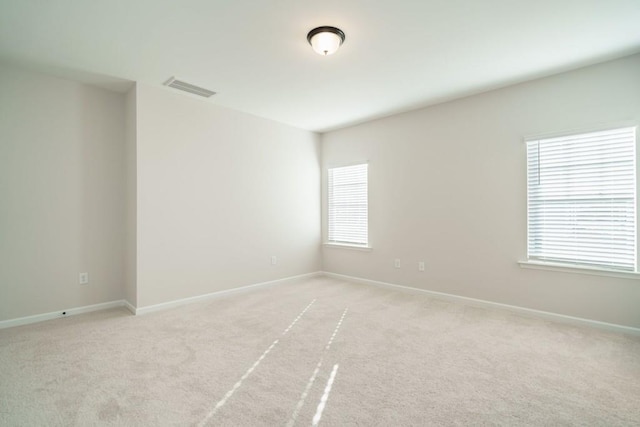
(533, 263)
(325, 219)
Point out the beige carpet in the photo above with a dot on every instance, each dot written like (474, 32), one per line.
(321, 351)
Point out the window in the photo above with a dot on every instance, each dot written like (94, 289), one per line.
(581, 192)
(348, 205)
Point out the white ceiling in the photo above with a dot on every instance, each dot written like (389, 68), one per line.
(398, 55)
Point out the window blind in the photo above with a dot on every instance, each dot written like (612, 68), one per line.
(582, 199)
(348, 205)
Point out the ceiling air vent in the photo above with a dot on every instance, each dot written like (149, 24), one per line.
(188, 87)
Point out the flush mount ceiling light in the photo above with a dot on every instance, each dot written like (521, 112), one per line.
(325, 40)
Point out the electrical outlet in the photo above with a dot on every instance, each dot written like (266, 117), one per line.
(421, 266)
(274, 260)
(396, 263)
(84, 278)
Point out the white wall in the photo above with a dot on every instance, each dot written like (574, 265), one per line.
(448, 186)
(219, 193)
(61, 193)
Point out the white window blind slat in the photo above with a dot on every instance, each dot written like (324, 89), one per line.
(348, 205)
(581, 193)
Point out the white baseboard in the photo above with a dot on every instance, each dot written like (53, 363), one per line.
(148, 309)
(440, 295)
(218, 294)
(60, 313)
(490, 304)
(129, 306)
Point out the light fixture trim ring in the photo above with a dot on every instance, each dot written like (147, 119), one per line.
(326, 29)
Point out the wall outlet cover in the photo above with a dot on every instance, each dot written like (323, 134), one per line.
(84, 278)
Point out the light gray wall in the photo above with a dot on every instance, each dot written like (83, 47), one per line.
(131, 199)
(448, 186)
(160, 196)
(61, 193)
(220, 192)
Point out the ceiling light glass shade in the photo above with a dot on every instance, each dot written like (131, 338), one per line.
(325, 40)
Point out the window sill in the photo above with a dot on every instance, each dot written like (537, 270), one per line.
(345, 246)
(568, 268)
